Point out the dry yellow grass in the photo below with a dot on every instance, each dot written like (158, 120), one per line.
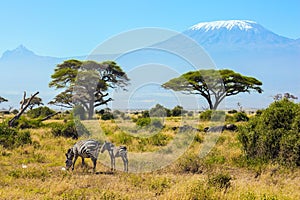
(44, 179)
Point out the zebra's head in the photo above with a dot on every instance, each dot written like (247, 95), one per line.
(69, 158)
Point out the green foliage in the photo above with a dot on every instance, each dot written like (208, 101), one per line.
(150, 123)
(240, 117)
(24, 123)
(232, 111)
(178, 111)
(78, 111)
(107, 116)
(214, 85)
(122, 138)
(158, 111)
(86, 82)
(71, 129)
(40, 112)
(212, 115)
(11, 137)
(206, 115)
(159, 139)
(274, 135)
(143, 122)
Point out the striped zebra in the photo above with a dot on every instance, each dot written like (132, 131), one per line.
(85, 149)
(114, 152)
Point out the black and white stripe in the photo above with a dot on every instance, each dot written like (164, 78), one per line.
(85, 149)
(114, 152)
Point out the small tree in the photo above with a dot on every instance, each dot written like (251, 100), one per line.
(35, 101)
(25, 104)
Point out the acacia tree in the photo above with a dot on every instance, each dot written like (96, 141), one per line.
(213, 85)
(35, 101)
(86, 83)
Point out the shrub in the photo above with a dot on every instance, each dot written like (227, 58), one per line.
(206, 115)
(79, 111)
(70, 129)
(23, 123)
(159, 139)
(11, 137)
(107, 116)
(189, 163)
(159, 111)
(209, 115)
(232, 111)
(220, 181)
(240, 117)
(274, 135)
(40, 112)
(142, 122)
(178, 111)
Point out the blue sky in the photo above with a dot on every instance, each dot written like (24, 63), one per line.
(73, 27)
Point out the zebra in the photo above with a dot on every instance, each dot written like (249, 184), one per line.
(85, 149)
(114, 152)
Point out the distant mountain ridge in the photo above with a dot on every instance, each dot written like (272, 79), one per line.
(242, 45)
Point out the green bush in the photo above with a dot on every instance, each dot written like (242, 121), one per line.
(107, 116)
(72, 129)
(240, 117)
(23, 123)
(159, 139)
(274, 135)
(79, 111)
(142, 122)
(11, 137)
(209, 115)
(40, 112)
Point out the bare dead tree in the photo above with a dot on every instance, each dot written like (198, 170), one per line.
(23, 107)
(49, 116)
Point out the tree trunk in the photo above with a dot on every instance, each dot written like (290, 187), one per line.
(49, 116)
(22, 109)
(91, 110)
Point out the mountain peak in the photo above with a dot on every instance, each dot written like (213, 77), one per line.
(20, 52)
(227, 24)
(238, 33)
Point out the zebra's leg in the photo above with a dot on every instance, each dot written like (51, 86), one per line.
(112, 160)
(95, 163)
(112, 163)
(75, 158)
(82, 163)
(124, 163)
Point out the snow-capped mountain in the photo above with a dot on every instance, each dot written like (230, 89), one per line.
(235, 33)
(249, 48)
